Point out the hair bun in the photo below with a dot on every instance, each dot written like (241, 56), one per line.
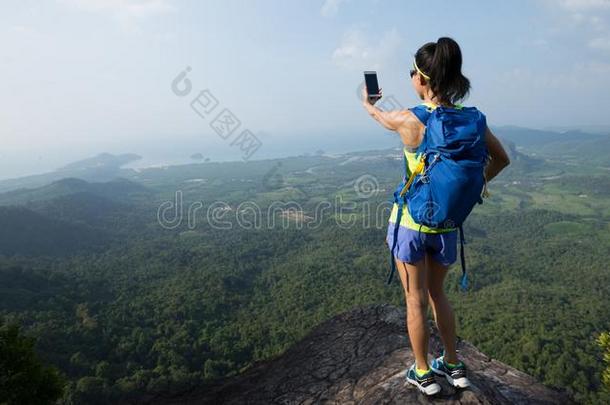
(442, 61)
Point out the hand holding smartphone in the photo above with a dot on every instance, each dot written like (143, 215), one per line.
(372, 86)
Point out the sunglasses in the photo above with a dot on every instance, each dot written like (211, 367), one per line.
(412, 72)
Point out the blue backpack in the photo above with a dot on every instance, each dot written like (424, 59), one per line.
(449, 179)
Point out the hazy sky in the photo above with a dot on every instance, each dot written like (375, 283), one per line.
(78, 77)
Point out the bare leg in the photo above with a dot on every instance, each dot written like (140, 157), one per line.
(414, 283)
(443, 312)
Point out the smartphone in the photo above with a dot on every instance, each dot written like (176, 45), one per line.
(372, 86)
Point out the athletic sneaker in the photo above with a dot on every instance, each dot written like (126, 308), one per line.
(425, 383)
(456, 375)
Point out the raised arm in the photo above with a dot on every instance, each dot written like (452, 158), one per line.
(403, 122)
(498, 156)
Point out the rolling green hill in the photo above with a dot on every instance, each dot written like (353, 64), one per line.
(26, 233)
(131, 308)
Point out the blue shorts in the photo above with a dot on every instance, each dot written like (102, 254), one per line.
(412, 245)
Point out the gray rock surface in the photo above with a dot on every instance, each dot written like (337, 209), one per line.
(360, 357)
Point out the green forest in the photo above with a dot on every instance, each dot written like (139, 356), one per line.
(111, 304)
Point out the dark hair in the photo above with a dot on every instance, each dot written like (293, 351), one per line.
(442, 61)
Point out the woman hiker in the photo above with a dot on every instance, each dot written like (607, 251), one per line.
(425, 257)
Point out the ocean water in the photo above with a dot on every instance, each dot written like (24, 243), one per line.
(19, 163)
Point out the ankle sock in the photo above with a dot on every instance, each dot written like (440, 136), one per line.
(451, 365)
(420, 371)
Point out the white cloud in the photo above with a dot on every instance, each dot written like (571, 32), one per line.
(580, 76)
(587, 20)
(135, 8)
(537, 96)
(576, 5)
(540, 42)
(126, 12)
(598, 23)
(583, 12)
(357, 51)
(601, 43)
(331, 7)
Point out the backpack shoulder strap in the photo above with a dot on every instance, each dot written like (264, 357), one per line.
(423, 111)
(464, 278)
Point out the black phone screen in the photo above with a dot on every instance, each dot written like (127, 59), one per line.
(370, 78)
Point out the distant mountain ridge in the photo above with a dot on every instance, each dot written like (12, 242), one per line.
(106, 160)
(595, 129)
(106, 166)
(103, 167)
(527, 137)
(27, 233)
(116, 189)
(79, 215)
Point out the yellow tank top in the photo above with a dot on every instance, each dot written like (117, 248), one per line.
(406, 220)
